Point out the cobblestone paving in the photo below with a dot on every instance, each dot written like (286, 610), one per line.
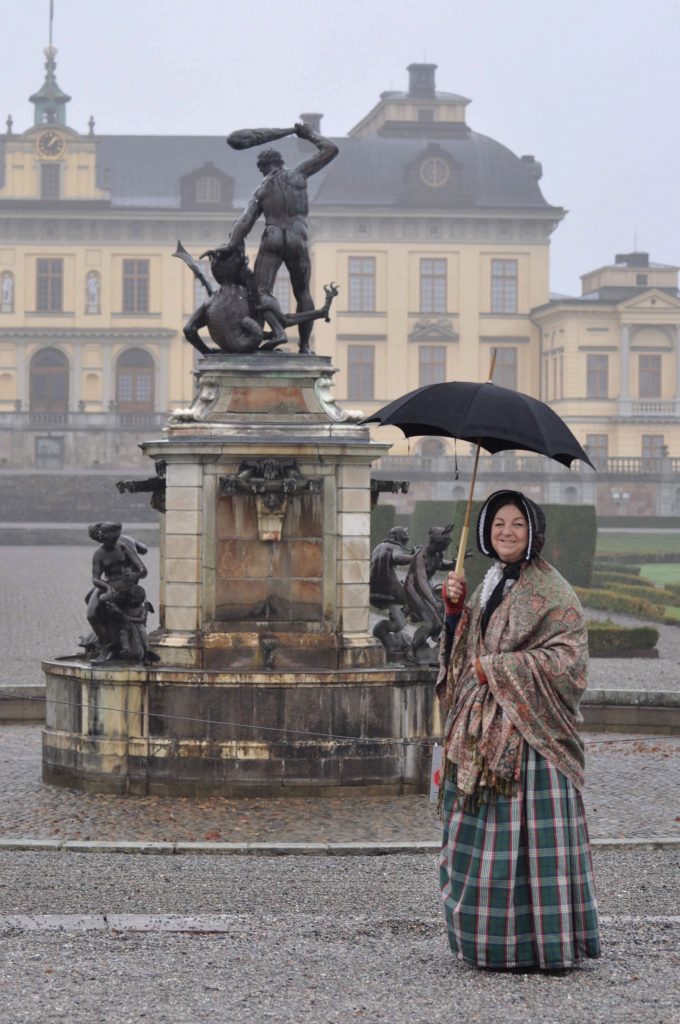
(633, 791)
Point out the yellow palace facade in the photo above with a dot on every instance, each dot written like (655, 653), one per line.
(438, 237)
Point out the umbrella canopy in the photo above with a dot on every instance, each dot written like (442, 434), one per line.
(498, 419)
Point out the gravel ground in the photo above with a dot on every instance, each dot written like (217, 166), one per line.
(310, 940)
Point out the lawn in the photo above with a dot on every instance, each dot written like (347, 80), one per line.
(661, 573)
(637, 543)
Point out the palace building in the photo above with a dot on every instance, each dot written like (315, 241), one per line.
(437, 236)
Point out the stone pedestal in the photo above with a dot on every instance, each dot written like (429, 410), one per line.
(269, 676)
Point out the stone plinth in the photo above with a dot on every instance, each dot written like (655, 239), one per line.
(266, 573)
(269, 678)
(178, 732)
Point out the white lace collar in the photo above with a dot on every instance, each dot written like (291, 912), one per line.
(491, 581)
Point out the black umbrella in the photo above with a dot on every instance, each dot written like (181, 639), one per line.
(491, 417)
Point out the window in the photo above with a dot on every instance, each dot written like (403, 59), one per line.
(426, 114)
(597, 446)
(434, 172)
(653, 446)
(503, 286)
(433, 286)
(50, 181)
(49, 453)
(282, 290)
(135, 286)
(432, 448)
(431, 364)
(505, 371)
(48, 386)
(640, 279)
(49, 289)
(597, 376)
(208, 190)
(361, 284)
(649, 368)
(360, 371)
(135, 382)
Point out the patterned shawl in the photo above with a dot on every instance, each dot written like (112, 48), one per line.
(535, 658)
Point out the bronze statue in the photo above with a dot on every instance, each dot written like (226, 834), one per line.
(154, 484)
(386, 589)
(117, 608)
(282, 198)
(422, 600)
(236, 313)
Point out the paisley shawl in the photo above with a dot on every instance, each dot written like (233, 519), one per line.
(535, 658)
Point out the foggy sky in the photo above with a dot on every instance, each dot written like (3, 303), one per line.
(590, 87)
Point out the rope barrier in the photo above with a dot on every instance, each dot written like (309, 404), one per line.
(328, 737)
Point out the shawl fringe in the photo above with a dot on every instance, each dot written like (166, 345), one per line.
(488, 789)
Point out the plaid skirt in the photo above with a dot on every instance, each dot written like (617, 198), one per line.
(516, 876)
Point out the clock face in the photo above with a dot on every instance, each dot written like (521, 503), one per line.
(50, 144)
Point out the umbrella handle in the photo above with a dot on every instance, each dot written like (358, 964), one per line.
(460, 560)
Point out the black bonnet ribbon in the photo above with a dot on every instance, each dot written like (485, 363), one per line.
(510, 572)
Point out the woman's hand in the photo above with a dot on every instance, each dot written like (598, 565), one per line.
(454, 587)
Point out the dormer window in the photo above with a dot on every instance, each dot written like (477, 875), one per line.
(434, 172)
(208, 189)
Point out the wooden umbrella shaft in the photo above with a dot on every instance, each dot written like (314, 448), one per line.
(460, 560)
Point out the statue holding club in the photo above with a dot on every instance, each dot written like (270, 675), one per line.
(283, 201)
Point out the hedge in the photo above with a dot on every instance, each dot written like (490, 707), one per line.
(637, 557)
(604, 580)
(638, 522)
(382, 521)
(616, 568)
(611, 601)
(656, 595)
(607, 637)
(571, 535)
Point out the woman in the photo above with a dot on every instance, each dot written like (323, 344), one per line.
(516, 871)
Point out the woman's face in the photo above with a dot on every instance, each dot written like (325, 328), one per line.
(509, 533)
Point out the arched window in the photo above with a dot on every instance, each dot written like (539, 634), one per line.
(570, 495)
(432, 447)
(48, 390)
(135, 382)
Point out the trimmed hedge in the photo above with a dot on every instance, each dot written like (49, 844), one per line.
(571, 535)
(618, 563)
(382, 521)
(638, 522)
(604, 580)
(612, 601)
(608, 638)
(657, 595)
(638, 557)
(432, 513)
(616, 569)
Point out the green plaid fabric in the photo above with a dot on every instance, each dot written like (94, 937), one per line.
(516, 875)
